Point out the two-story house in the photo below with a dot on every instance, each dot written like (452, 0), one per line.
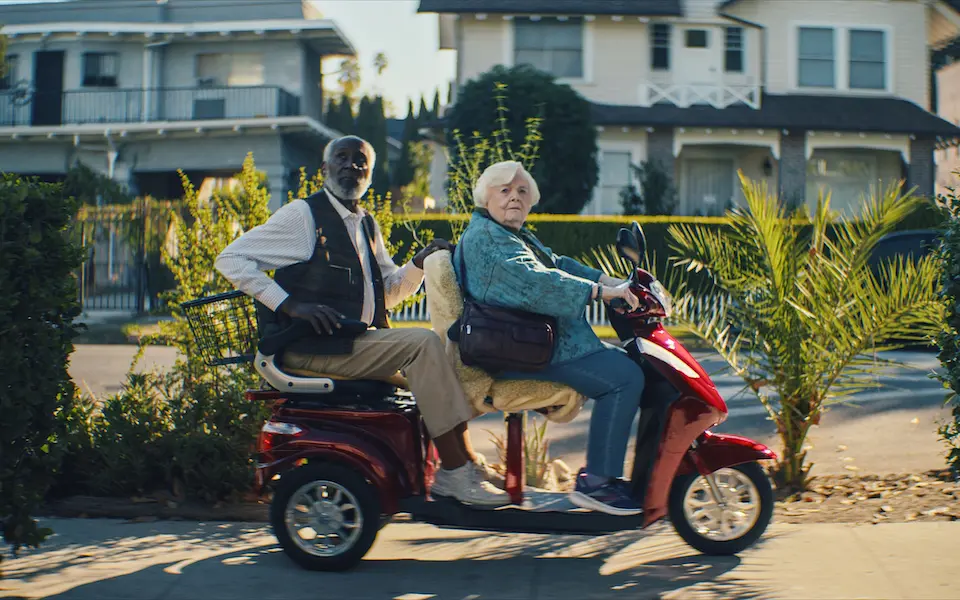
(803, 94)
(140, 88)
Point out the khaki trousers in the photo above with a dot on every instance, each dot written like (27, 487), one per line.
(416, 352)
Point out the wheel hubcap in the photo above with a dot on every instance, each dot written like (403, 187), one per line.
(323, 518)
(737, 515)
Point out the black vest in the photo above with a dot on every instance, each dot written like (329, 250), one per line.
(332, 276)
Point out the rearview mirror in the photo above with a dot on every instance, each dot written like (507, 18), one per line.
(628, 246)
(637, 232)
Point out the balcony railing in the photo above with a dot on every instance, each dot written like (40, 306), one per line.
(689, 94)
(26, 107)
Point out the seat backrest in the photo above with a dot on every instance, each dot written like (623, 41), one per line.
(444, 298)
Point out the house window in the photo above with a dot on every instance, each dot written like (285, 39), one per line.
(733, 50)
(816, 68)
(614, 176)
(550, 45)
(844, 175)
(9, 73)
(867, 60)
(697, 38)
(660, 54)
(230, 70)
(100, 69)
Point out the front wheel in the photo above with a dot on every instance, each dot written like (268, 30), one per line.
(325, 516)
(722, 530)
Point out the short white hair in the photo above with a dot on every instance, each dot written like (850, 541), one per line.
(499, 174)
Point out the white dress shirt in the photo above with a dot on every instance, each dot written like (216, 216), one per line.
(289, 237)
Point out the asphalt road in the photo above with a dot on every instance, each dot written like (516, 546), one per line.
(891, 430)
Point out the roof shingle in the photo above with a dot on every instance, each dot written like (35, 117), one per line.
(801, 112)
(653, 8)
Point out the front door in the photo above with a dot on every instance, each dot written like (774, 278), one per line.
(709, 186)
(48, 88)
(699, 49)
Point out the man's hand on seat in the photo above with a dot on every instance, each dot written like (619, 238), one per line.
(430, 249)
(322, 317)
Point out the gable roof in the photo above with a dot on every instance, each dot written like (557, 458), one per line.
(794, 111)
(656, 8)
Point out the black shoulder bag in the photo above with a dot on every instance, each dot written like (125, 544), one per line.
(498, 339)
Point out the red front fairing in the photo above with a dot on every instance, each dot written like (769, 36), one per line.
(698, 383)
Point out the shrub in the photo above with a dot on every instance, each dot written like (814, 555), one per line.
(37, 309)
(948, 339)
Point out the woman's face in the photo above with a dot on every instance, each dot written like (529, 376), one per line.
(509, 204)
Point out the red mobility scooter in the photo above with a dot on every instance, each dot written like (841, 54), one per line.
(343, 456)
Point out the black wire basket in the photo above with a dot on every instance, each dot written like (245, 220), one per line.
(225, 327)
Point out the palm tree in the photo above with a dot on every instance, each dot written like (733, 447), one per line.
(810, 312)
(794, 307)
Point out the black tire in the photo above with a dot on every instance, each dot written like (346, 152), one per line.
(368, 507)
(722, 547)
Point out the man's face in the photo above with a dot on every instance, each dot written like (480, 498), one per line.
(348, 171)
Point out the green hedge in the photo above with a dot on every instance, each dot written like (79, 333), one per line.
(38, 303)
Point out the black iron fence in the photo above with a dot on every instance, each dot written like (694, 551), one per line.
(25, 106)
(123, 271)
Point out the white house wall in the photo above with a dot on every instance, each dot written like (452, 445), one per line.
(282, 61)
(907, 20)
(35, 158)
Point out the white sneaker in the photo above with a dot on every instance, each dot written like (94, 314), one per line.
(465, 485)
(484, 472)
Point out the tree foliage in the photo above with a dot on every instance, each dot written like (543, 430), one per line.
(801, 316)
(566, 171)
(38, 306)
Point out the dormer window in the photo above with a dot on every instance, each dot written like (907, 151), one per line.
(100, 69)
(660, 47)
(550, 45)
(733, 50)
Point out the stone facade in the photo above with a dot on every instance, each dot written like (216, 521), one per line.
(660, 150)
(793, 167)
(921, 172)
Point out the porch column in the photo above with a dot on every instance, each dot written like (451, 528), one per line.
(793, 167)
(277, 184)
(660, 151)
(920, 171)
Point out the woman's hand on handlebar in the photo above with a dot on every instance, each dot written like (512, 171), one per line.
(620, 292)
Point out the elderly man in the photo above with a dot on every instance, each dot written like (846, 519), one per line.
(331, 264)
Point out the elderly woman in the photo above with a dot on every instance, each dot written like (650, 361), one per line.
(508, 266)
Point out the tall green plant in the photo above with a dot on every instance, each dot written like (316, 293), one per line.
(38, 305)
(800, 316)
(948, 339)
(470, 160)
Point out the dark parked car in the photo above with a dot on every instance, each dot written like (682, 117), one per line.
(914, 244)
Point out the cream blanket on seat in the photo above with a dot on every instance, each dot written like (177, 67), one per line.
(560, 403)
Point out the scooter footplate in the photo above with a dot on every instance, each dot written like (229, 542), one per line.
(541, 512)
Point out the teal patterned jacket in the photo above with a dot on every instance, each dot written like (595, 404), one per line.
(503, 271)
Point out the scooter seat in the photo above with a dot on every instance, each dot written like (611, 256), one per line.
(344, 383)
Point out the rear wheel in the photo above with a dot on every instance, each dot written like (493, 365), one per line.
(724, 529)
(325, 516)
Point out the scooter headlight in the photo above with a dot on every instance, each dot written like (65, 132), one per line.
(663, 296)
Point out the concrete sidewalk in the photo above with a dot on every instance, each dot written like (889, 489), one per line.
(113, 560)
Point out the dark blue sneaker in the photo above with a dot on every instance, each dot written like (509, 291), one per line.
(604, 495)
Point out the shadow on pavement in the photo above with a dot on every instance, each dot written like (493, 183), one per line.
(236, 562)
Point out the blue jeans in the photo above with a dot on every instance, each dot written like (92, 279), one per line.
(615, 383)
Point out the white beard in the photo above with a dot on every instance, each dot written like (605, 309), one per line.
(356, 194)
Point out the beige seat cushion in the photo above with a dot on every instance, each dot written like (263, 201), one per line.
(559, 402)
